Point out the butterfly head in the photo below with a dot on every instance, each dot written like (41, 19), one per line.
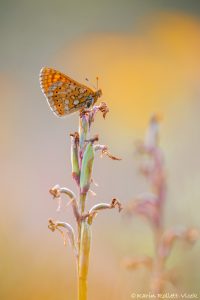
(98, 93)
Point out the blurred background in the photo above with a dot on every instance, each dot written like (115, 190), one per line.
(146, 54)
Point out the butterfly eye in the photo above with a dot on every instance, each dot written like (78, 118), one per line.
(88, 103)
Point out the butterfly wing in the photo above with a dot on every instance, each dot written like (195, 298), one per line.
(64, 95)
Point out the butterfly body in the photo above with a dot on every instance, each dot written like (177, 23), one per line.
(65, 95)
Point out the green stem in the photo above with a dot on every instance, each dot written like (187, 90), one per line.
(84, 232)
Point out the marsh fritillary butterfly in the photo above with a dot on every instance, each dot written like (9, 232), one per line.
(65, 95)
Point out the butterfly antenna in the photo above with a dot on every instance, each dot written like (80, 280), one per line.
(97, 79)
(90, 83)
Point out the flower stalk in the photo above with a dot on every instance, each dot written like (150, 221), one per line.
(151, 206)
(83, 151)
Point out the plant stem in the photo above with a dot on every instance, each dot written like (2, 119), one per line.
(83, 259)
(157, 285)
(82, 202)
(82, 289)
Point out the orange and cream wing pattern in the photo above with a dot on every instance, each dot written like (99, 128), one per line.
(64, 95)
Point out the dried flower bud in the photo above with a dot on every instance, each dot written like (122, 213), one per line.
(169, 237)
(138, 262)
(104, 151)
(145, 205)
(52, 225)
(75, 157)
(167, 241)
(115, 203)
(102, 107)
(192, 235)
(152, 134)
(70, 235)
(102, 206)
(55, 191)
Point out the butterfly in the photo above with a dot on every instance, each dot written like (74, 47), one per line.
(65, 95)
